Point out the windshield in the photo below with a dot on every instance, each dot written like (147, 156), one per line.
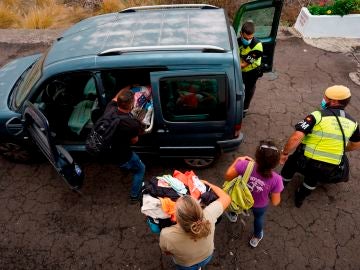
(27, 81)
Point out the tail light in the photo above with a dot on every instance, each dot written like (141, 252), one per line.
(237, 130)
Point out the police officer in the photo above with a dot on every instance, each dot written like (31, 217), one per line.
(250, 51)
(319, 143)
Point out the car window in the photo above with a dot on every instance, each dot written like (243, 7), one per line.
(198, 98)
(263, 19)
(30, 78)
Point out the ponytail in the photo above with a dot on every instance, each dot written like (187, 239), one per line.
(190, 217)
(200, 229)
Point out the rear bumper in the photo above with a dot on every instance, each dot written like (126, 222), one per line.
(231, 145)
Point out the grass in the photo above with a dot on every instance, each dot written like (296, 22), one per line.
(38, 18)
(34, 14)
(111, 6)
(11, 3)
(40, 14)
(8, 18)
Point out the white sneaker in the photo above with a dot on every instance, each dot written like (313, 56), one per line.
(254, 241)
(232, 217)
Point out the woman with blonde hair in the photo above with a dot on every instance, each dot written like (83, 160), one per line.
(191, 241)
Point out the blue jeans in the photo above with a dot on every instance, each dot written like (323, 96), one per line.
(259, 216)
(195, 266)
(136, 166)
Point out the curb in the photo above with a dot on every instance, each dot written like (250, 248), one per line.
(25, 36)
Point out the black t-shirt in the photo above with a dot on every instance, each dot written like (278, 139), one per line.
(127, 129)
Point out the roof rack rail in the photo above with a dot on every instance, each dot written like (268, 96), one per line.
(203, 48)
(159, 7)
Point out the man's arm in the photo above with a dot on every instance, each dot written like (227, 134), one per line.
(302, 128)
(293, 142)
(137, 130)
(243, 64)
(354, 141)
(250, 59)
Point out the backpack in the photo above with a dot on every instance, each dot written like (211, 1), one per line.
(241, 198)
(100, 137)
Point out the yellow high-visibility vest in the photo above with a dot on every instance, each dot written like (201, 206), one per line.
(245, 53)
(325, 142)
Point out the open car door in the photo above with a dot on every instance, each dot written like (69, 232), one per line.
(38, 129)
(266, 16)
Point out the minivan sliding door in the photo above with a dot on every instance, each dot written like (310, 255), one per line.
(191, 112)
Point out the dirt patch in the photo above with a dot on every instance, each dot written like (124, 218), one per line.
(289, 14)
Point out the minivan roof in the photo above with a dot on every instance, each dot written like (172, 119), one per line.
(143, 27)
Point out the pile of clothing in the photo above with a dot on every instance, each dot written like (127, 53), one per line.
(161, 192)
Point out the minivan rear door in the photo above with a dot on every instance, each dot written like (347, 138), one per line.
(37, 127)
(266, 16)
(191, 112)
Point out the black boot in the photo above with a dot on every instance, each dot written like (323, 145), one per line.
(300, 194)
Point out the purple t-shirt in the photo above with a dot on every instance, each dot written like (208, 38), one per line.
(260, 186)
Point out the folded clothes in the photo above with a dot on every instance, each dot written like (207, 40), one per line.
(168, 206)
(152, 207)
(176, 184)
(160, 188)
(189, 178)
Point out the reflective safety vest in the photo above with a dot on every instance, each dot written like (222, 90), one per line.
(251, 54)
(325, 142)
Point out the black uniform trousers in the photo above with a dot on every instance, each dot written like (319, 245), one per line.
(249, 79)
(314, 172)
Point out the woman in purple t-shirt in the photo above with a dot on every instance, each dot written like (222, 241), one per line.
(263, 183)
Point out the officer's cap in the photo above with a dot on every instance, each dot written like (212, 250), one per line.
(337, 92)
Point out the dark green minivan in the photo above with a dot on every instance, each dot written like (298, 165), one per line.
(187, 55)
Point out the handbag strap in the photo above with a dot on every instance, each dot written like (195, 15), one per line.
(342, 131)
(248, 171)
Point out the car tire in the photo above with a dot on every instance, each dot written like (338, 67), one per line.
(199, 163)
(16, 153)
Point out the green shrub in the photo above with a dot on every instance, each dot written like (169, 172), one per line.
(336, 7)
(318, 10)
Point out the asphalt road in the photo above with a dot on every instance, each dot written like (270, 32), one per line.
(43, 225)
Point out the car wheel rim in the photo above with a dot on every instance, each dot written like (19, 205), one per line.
(199, 162)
